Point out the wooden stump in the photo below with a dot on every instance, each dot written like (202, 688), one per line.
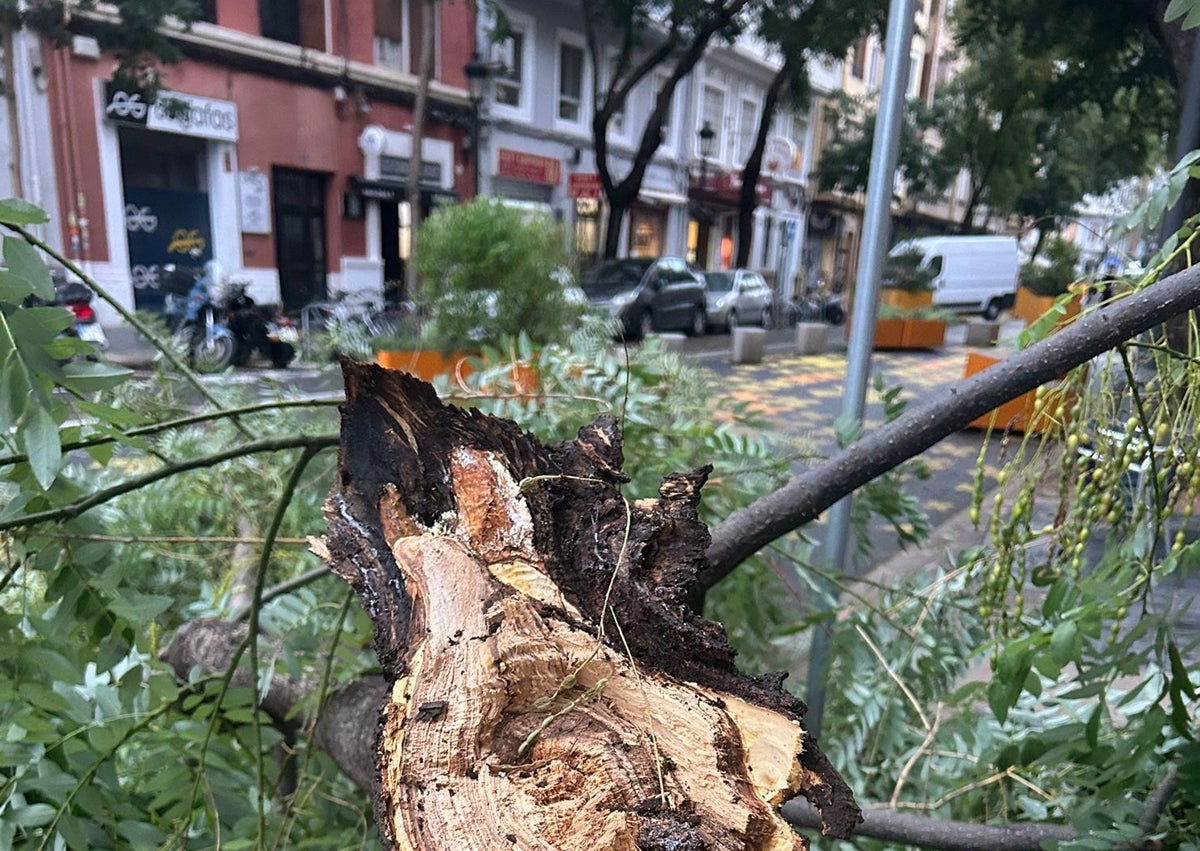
(551, 688)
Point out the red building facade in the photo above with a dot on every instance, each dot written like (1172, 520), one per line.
(279, 147)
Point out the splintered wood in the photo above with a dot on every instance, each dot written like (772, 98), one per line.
(551, 688)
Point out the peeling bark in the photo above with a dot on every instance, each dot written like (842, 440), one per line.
(549, 684)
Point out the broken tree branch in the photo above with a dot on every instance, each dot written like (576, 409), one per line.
(802, 500)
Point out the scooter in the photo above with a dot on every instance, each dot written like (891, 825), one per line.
(76, 297)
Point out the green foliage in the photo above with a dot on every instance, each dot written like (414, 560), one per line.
(1054, 271)
(906, 271)
(1088, 538)
(491, 272)
(1189, 10)
(1058, 99)
(846, 162)
(138, 40)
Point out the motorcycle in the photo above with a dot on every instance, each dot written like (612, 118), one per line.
(258, 328)
(196, 320)
(220, 331)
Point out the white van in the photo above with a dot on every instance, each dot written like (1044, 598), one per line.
(974, 274)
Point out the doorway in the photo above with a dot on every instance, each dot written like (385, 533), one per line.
(300, 249)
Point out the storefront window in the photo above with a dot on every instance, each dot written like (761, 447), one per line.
(587, 230)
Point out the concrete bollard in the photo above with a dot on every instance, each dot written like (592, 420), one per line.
(811, 337)
(672, 342)
(748, 344)
(982, 334)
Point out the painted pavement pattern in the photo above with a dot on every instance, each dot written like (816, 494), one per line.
(802, 396)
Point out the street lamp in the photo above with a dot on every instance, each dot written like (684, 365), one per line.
(477, 73)
(706, 134)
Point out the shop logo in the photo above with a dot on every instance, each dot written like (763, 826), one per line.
(140, 219)
(144, 277)
(126, 105)
(185, 241)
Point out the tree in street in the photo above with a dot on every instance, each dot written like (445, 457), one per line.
(648, 37)
(798, 33)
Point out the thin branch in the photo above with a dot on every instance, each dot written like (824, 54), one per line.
(894, 677)
(177, 539)
(306, 578)
(902, 778)
(181, 422)
(924, 832)
(74, 509)
(256, 603)
(125, 314)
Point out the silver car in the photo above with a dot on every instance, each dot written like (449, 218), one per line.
(737, 297)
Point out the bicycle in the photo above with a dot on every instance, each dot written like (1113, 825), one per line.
(350, 322)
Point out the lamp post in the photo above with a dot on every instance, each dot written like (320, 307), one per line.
(706, 134)
(477, 74)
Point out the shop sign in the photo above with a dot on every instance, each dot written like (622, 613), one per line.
(396, 168)
(532, 168)
(583, 184)
(391, 192)
(729, 185)
(779, 155)
(173, 112)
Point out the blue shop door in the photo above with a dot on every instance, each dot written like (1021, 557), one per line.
(165, 227)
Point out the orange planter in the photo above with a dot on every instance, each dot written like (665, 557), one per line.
(905, 300)
(889, 333)
(923, 334)
(425, 364)
(1030, 307)
(1018, 414)
(428, 365)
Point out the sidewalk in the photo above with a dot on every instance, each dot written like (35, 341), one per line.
(128, 348)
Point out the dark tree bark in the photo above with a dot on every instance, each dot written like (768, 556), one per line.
(747, 196)
(548, 680)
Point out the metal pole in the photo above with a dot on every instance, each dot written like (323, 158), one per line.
(475, 144)
(885, 151)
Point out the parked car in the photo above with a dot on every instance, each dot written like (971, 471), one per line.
(647, 294)
(737, 297)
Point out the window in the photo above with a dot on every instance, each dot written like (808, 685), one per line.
(509, 79)
(858, 61)
(391, 34)
(876, 67)
(668, 124)
(570, 83)
(299, 22)
(712, 111)
(747, 129)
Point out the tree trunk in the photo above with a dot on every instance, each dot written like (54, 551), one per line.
(549, 685)
(747, 196)
(7, 43)
(428, 11)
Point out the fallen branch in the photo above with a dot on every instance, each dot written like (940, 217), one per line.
(802, 500)
(892, 826)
